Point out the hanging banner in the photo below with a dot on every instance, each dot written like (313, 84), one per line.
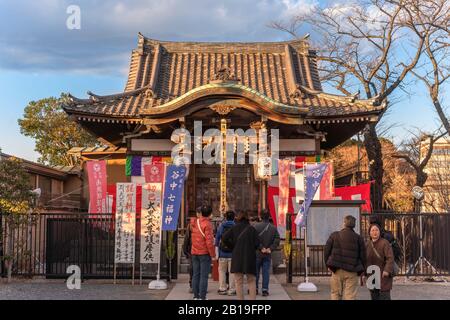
(151, 213)
(299, 186)
(125, 223)
(314, 174)
(136, 166)
(173, 191)
(326, 189)
(154, 173)
(359, 192)
(283, 181)
(97, 186)
(151, 222)
(144, 162)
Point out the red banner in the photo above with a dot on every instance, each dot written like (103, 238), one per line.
(97, 186)
(272, 192)
(326, 185)
(359, 192)
(154, 173)
(283, 180)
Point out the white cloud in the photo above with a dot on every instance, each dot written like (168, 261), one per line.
(298, 7)
(37, 39)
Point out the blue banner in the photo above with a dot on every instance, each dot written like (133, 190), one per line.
(314, 174)
(173, 190)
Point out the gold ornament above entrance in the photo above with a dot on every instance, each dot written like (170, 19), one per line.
(224, 107)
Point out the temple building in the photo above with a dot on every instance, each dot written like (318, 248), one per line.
(259, 85)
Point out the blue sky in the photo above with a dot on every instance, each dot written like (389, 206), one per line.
(40, 57)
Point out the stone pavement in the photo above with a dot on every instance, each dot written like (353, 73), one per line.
(409, 290)
(23, 289)
(43, 289)
(181, 290)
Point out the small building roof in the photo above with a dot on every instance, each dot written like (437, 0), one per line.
(37, 168)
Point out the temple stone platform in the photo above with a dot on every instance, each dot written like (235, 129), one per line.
(181, 290)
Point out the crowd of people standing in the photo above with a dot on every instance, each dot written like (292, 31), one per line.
(242, 247)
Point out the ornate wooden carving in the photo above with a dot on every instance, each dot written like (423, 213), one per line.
(224, 74)
(222, 109)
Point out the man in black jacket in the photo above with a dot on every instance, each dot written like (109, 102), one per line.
(270, 240)
(345, 256)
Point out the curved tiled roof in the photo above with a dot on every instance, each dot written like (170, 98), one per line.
(280, 73)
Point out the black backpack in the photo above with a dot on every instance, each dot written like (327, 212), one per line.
(187, 243)
(396, 249)
(222, 246)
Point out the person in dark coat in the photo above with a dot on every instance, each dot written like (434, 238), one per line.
(379, 253)
(225, 256)
(244, 240)
(345, 256)
(270, 240)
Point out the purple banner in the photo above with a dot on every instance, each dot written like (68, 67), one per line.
(136, 166)
(173, 191)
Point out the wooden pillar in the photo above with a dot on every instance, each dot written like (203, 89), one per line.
(263, 194)
(223, 169)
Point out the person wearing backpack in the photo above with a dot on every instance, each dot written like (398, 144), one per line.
(187, 246)
(379, 253)
(225, 255)
(270, 239)
(244, 240)
(396, 249)
(202, 252)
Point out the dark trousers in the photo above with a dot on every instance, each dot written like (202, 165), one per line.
(201, 266)
(190, 271)
(380, 295)
(264, 264)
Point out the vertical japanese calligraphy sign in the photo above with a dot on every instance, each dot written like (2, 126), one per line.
(151, 213)
(125, 223)
(173, 191)
(283, 180)
(97, 186)
(314, 173)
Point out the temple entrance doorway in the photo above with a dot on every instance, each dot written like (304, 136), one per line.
(242, 189)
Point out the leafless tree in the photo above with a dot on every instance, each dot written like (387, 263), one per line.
(368, 46)
(430, 19)
(416, 156)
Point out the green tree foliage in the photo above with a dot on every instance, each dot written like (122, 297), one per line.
(16, 208)
(54, 133)
(15, 195)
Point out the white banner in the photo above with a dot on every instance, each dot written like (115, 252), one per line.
(299, 186)
(125, 223)
(151, 222)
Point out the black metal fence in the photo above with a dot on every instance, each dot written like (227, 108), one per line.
(408, 229)
(46, 244)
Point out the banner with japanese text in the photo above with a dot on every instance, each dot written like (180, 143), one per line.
(125, 231)
(283, 176)
(314, 173)
(173, 191)
(151, 213)
(97, 186)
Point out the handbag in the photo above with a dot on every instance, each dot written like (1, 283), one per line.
(395, 266)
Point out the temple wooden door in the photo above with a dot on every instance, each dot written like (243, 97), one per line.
(242, 189)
